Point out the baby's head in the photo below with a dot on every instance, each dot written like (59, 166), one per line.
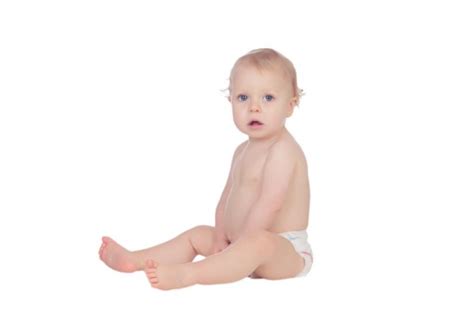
(263, 87)
(267, 59)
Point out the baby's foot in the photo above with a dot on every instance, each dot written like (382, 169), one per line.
(167, 277)
(117, 257)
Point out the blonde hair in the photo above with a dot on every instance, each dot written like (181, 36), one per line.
(269, 59)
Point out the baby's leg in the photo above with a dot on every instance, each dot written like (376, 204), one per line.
(183, 248)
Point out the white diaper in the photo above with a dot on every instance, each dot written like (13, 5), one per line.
(299, 240)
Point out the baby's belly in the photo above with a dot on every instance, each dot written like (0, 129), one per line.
(238, 205)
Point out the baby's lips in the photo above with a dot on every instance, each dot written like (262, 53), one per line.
(257, 121)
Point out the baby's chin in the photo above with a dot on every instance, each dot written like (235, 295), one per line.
(261, 134)
(255, 131)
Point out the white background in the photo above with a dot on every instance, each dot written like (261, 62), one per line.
(112, 122)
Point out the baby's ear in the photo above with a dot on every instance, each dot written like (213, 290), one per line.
(291, 106)
(294, 101)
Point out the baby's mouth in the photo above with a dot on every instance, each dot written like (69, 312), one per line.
(255, 123)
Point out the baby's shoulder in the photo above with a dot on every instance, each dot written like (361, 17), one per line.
(241, 147)
(238, 150)
(289, 148)
(289, 145)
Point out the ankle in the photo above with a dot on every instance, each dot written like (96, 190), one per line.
(138, 261)
(190, 275)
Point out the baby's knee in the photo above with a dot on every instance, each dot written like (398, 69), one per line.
(203, 229)
(202, 239)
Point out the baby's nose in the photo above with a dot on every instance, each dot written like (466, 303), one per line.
(255, 107)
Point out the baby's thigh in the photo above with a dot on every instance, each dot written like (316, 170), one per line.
(284, 263)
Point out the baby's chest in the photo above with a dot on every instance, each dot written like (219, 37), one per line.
(249, 170)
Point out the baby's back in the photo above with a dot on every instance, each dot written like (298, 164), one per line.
(247, 173)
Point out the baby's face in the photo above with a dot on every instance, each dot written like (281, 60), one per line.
(261, 100)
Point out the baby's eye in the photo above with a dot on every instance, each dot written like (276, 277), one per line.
(268, 98)
(242, 97)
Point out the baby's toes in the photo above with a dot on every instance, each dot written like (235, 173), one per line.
(152, 278)
(101, 250)
(107, 240)
(150, 273)
(153, 281)
(150, 265)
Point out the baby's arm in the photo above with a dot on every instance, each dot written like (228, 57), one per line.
(277, 173)
(220, 235)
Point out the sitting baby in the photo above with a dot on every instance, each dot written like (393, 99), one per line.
(262, 215)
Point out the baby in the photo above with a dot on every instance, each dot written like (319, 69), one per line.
(262, 215)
